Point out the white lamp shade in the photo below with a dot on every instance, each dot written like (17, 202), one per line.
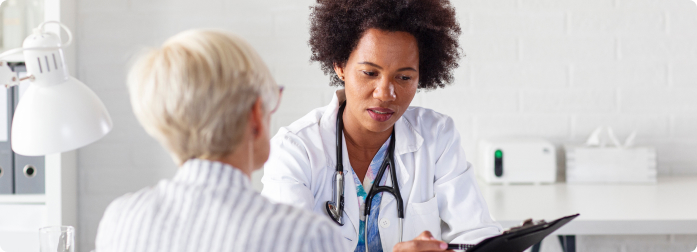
(57, 118)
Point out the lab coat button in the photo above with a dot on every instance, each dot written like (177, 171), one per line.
(384, 223)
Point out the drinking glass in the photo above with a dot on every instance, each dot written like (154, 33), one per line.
(57, 239)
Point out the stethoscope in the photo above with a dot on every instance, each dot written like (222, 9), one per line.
(335, 208)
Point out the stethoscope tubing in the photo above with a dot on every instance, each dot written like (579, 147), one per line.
(335, 208)
(394, 189)
(374, 190)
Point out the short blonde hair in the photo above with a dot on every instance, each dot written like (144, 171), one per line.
(194, 94)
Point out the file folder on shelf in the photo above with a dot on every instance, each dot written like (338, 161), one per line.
(6, 154)
(30, 175)
(29, 172)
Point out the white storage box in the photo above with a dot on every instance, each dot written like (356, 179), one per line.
(610, 165)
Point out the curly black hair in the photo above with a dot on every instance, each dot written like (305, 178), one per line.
(338, 25)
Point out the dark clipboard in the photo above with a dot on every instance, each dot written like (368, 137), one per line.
(520, 239)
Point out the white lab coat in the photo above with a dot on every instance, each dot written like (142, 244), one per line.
(436, 181)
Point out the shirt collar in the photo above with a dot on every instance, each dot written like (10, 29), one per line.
(201, 171)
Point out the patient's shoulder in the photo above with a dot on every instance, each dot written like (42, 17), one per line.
(115, 215)
(127, 202)
(315, 229)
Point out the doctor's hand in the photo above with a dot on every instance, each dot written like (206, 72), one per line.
(424, 242)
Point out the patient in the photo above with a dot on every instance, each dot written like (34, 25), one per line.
(207, 97)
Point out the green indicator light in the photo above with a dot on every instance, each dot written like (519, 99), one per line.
(498, 154)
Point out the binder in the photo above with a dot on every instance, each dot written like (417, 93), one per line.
(6, 154)
(29, 172)
(521, 238)
(30, 175)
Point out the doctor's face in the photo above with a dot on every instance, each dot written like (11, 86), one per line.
(381, 77)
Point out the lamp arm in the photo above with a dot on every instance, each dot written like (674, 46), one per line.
(40, 30)
(15, 81)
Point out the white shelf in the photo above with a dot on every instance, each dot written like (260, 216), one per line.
(23, 199)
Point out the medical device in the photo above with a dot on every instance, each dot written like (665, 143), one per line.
(335, 208)
(517, 160)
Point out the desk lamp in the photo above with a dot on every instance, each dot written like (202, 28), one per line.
(57, 112)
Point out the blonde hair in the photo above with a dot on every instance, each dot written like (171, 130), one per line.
(194, 94)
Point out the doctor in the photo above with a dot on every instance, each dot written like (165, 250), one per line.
(381, 52)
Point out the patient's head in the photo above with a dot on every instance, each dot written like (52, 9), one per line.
(205, 94)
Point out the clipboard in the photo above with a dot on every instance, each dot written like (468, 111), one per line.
(518, 239)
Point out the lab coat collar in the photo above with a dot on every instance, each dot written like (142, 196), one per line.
(408, 139)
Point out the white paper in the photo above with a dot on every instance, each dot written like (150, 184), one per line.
(602, 135)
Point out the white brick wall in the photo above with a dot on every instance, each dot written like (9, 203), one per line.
(549, 68)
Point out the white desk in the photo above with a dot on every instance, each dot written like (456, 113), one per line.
(668, 207)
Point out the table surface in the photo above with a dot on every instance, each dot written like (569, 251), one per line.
(667, 207)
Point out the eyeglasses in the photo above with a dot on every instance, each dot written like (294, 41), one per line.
(278, 103)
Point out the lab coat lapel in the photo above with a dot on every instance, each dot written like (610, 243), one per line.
(407, 140)
(328, 125)
(328, 132)
(350, 194)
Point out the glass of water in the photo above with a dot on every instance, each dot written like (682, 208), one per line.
(57, 239)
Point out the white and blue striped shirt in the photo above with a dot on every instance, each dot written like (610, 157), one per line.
(210, 206)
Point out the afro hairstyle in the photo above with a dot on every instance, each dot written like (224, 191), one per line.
(336, 26)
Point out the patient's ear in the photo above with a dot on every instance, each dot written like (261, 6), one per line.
(256, 118)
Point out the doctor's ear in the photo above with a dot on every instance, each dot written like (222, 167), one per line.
(339, 70)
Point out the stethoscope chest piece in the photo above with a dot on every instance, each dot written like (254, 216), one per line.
(335, 208)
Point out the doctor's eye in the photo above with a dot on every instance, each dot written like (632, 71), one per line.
(372, 74)
(404, 78)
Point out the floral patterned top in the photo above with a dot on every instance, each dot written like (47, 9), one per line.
(362, 189)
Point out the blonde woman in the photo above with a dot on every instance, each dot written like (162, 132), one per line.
(207, 97)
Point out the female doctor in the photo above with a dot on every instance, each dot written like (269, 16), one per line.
(382, 52)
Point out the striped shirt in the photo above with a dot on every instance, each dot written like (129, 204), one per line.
(210, 206)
